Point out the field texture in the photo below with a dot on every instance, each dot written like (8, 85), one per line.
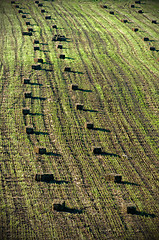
(118, 84)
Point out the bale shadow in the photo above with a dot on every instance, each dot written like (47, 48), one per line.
(109, 154)
(52, 153)
(58, 182)
(101, 129)
(44, 44)
(89, 110)
(36, 84)
(48, 63)
(32, 24)
(40, 133)
(47, 70)
(129, 183)
(38, 98)
(144, 214)
(36, 114)
(44, 51)
(77, 72)
(70, 58)
(83, 90)
(72, 210)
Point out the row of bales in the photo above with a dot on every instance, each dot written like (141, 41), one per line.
(59, 205)
(134, 29)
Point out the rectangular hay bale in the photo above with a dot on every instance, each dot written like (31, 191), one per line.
(47, 17)
(59, 46)
(79, 106)
(58, 205)
(36, 41)
(29, 130)
(135, 29)
(97, 150)
(67, 69)
(26, 80)
(152, 48)
(36, 60)
(62, 56)
(74, 87)
(36, 67)
(27, 23)
(27, 95)
(36, 48)
(39, 150)
(113, 177)
(26, 111)
(89, 125)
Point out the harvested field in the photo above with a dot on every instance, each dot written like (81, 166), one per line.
(117, 77)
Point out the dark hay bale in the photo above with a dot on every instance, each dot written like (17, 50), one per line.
(114, 177)
(29, 130)
(40, 5)
(97, 150)
(26, 81)
(36, 48)
(26, 111)
(62, 56)
(27, 33)
(47, 17)
(103, 6)
(36, 67)
(132, 6)
(36, 60)
(39, 150)
(79, 106)
(37, 2)
(36, 41)
(129, 208)
(138, 2)
(124, 20)
(154, 21)
(152, 48)
(59, 46)
(74, 87)
(23, 16)
(135, 29)
(111, 12)
(20, 11)
(58, 205)
(140, 11)
(27, 95)
(67, 69)
(16, 6)
(42, 10)
(146, 39)
(54, 26)
(47, 177)
(27, 23)
(12, 2)
(30, 29)
(89, 125)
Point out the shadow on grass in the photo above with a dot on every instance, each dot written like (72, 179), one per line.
(47, 63)
(129, 183)
(32, 24)
(44, 51)
(71, 210)
(77, 72)
(47, 70)
(144, 214)
(44, 44)
(109, 154)
(36, 84)
(52, 154)
(89, 110)
(36, 114)
(40, 133)
(58, 182)
(83, 90)
(101, 129)
(70, 58)
(38, 98)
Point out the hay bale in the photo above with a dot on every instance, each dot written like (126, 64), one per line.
(42, 10)
(58, 205)
(27, 33)
(47, 17)
(29, 130)
(103, 6)
(36, 67)
(12, 2)
(140, 11)
(27, 23)
(154, 21)
(59, 46)
(67, 69)
(40, 5)
(129, 208)
(111, 12)
(36, 48)
(37, 2)
(124, 20)
(138, 2)
(27, 94)
(23, 16)
(146, 39)
(62, 56)
(89, 125)
(135, 29)
(114, 177)
(79, 106)
(20, 11)
(54, 26)
(74, 87)
(152, 48)
(16, 6)
(132, 6)
(26, 111)
(47, 177)
(39, 150)
(36, 60)
(26, 80)
(36, 41)
(59, 38)
(30, 29)
(97, 150)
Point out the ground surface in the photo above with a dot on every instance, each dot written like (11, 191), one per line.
(118, 79)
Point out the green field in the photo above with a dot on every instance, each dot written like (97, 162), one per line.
(118, 84)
